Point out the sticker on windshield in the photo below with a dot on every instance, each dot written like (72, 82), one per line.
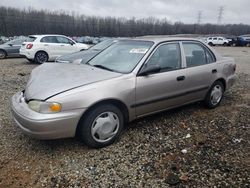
(138, 50)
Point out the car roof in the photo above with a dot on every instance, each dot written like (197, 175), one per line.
(46, 35)
(159, 39)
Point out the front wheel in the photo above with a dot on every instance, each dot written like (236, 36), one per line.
(2, 54)
(41, 57)
(214, 95)
(101, 126)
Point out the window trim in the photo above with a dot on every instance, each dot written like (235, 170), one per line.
(205, 48)
(154, 50)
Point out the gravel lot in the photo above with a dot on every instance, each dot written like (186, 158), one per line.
(186, 147)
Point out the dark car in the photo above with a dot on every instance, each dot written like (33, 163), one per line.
(241, 41)
(85, 56)
(11, 48)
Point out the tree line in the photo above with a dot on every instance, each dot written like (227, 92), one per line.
(30, 21)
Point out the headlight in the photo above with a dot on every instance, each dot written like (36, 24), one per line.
(45, 107)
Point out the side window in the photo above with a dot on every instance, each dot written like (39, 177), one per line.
(209, 56)
(215, 39)
(195, 54)
(49, 39)
(17, 42)
(220, 38)
(63, 40)
(167, 56)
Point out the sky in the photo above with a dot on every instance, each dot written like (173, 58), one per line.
(186, 11)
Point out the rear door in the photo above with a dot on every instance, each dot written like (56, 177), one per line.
(51, 46)
(201, 69)
(159, 91)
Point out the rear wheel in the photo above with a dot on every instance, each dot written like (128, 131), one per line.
(41, 57)
(214, 95)
(101, 126)
(210, 44)
(2, 54)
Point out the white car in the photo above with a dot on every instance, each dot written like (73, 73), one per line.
(43, 48)
(212, 41)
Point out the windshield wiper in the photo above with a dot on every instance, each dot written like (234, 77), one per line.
(103, 67)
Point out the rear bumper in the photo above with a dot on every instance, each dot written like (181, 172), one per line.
(29, 54)
(44, 126)
(231, 81)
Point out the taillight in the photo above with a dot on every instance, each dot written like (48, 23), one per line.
(29, 46)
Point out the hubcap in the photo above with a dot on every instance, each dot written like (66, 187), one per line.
(42, 57)
(2, 55)
(105, 127)
(216, 94)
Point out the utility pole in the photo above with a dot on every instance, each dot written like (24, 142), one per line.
(220, 15)
(199, 17)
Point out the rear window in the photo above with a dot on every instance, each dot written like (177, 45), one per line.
(31, 39)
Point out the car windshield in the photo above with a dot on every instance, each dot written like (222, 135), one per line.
(122, 56)
(103, 45)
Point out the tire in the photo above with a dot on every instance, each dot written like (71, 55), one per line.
(214, 95)
(210, 44)
(2, 54)
(224, 44)
(94, 134)
(41, 57)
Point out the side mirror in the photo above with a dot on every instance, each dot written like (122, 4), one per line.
(10, 44)
(149, 70)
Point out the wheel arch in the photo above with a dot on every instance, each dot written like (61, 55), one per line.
(42, 51)
(1, 49)
(223, 81)
(118, 103)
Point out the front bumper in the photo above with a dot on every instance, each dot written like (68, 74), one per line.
(44, 126)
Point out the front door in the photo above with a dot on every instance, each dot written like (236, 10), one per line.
(165, 89)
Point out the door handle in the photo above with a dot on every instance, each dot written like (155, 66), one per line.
(180, 78)
(214, 71)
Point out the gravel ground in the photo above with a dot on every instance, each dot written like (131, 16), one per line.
(186, 147)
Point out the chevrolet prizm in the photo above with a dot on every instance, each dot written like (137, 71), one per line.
(128, 80)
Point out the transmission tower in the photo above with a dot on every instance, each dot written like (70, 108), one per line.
(199, 16)
(220, 15)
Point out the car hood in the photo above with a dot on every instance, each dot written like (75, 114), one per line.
(84, 55)
(83, 46)
(50, 79)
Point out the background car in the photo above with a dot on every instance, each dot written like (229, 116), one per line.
(86, 55)
(42, 48)
(11, 48)
(213, 41)
(241, 41)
